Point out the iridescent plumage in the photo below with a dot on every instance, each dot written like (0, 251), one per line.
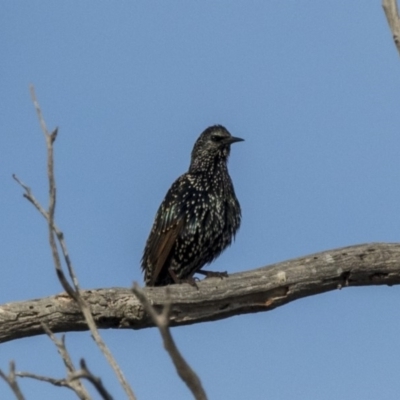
(199, 216)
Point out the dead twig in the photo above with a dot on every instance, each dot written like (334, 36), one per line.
(392, 15)
(12, 382)
(161, 320)
(76, 385)
(50, 138)
(60, 236)
(54, 381)
(55, 233)
(71, 381)
(96, 381)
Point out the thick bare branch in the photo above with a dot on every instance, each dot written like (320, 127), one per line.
(161, 320)
(392, 15)
(248, 292)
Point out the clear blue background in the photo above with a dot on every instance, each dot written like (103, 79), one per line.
(312, 86)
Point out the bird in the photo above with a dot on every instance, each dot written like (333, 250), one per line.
(198, 218)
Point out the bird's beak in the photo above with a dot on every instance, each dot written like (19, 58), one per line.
(233, 139)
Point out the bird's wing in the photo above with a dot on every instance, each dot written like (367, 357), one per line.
(168, 225)
(161, 251)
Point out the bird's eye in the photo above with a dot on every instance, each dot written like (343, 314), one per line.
(216, 138)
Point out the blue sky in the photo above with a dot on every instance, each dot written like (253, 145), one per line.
(313, 88)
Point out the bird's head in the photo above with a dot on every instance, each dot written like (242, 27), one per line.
(214, 143)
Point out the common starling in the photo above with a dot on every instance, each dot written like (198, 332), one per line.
(199, 216)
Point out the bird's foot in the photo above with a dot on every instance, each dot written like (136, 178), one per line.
(214, 274)
(190, 280)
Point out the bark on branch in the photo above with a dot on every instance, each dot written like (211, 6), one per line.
(392, 15)
(248, 292)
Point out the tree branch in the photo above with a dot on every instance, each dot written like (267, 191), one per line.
(73, 291)
(71, 381)
(10, 379)
(84, 373)
(392, 16)
(76, 385)
(248, 292)
(161, 320)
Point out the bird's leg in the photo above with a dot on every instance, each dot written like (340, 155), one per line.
(213, 274)
(174, 276)
(190, 280)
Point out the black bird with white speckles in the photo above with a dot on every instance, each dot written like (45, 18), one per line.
(199, 216)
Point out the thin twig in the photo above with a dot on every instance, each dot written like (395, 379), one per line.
(12, 382)
(75, 294)
(50, 138)
(60, 237)
(96, 381)
(392, 15)
(105, 350)
(161, 320)
(29, 196)
(38, 111)
(61, 348)
(71, 381)
(74, 291)
(76, 384)
(54, 381)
